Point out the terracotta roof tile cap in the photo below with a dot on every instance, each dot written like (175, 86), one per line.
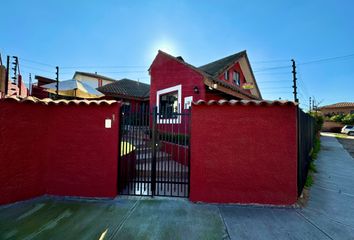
(244, 102)
(48, 101)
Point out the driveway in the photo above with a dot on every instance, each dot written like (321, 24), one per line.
(329, 213)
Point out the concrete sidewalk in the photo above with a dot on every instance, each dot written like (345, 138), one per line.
(328, 215)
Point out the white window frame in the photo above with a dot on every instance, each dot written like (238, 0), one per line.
(178, 89)
(226, 75)
(238, 80)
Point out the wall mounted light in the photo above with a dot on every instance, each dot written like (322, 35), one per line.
(196, 90)
(215, 86)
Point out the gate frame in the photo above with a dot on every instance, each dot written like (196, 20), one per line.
(152, 116)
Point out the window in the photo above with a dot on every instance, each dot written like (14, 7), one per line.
(226, 75)
(236, 78)
(168, 105)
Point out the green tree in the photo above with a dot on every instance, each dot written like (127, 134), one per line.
(337, 118)
(348, 119)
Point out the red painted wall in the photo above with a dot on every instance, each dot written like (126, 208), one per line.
(167, 72)
(250, 158)
(21, 164)
(179, 153)
(57, 149)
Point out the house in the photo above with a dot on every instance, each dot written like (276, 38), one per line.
(133, 93)
(37, 90)
(176, 83)
(338, 108)
(93, 79)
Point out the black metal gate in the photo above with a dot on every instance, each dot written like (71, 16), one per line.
(154, 153)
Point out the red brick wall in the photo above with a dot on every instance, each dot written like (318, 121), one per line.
(57, 149)
(244, 154)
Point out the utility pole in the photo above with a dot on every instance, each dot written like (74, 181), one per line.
(310, 105)
(313, 104)
(294, 81)
(57, 78)
(15, 63)
(7, 74)
(30, 84)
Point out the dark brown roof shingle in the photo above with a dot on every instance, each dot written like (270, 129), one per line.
(126, 87)
(216, 67)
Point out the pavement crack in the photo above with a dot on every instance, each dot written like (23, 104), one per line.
(129, 213)
(313, 224)
(225, 226)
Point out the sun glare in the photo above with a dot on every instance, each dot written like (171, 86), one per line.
(164, 45)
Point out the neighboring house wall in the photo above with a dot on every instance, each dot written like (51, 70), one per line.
(332, 127)
(37, 90)
(17, 89)
(250, 158)
(71, 154)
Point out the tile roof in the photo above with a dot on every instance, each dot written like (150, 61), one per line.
(216, 67)
(339, 105)
(126, 87)
(48, 101)
(94, 75)
(245, 102)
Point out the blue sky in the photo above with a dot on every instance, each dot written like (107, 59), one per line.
(127, 34)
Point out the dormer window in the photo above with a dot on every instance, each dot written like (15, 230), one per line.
(236, 78)
(226, 75)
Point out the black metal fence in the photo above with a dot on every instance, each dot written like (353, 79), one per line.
(154, 154)
(306, 135)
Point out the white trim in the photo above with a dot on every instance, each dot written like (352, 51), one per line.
(177, 88)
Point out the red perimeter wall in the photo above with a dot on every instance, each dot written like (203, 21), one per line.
(57, 149)
(244, 154)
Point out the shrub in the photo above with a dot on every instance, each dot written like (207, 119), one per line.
(312, 167)
(337, 118)
(318, 121)
(348, 119)
(316, 148)
(309, 181)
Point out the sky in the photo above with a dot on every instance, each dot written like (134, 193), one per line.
(120, 39)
